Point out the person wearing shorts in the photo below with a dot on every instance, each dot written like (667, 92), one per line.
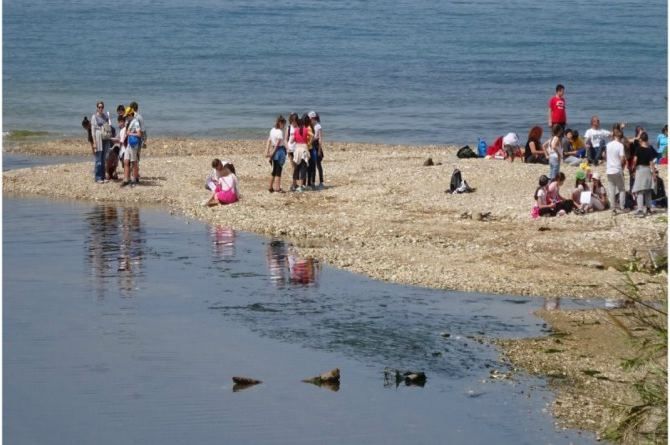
(276, 152)
(132, 155)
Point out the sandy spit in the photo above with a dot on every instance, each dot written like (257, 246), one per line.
(383, 214)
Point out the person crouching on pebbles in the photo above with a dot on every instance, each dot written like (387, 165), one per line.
(226, 190)
(276, 152)
(132, 156)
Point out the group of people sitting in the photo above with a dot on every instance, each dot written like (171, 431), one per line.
(110, 145)
(566, 145)
(635, 155)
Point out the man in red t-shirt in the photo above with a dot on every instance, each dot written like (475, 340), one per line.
(557, 114)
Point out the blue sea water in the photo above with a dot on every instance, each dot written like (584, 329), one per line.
(423, 71)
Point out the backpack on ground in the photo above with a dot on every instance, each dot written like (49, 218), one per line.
(466, 152)
(458, 184)
(456, 179)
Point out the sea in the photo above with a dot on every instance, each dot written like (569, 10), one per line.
(394, 71)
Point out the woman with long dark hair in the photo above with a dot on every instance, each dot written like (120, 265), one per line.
(533, 153)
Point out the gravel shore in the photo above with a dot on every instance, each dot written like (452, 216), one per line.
(384, 214)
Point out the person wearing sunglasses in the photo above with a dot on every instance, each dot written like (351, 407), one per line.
(101, 130)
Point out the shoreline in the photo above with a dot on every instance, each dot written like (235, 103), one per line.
(383, 214)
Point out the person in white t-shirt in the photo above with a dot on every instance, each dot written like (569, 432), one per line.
(595, 139)
(616, 160)
(276, 152)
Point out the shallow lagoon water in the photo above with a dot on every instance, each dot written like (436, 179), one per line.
(125, 325)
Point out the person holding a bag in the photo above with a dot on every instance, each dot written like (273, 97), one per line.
(131, 159)
(276, 152)
(101, 130)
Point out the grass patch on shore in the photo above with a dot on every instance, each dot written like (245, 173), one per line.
(645, 421)
(18, 135)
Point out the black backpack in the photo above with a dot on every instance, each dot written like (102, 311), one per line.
(456, 180)
(466, 152)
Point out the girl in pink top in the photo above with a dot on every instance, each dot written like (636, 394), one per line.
(301, 137)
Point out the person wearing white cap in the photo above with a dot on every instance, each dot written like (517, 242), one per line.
(599, 191)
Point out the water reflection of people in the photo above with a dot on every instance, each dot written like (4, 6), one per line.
(223, 241)
(106, 245)
(302, 270)
(130, 250)
(277, 253)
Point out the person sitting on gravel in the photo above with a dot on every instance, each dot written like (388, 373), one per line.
(599, 191)
(534, 153)
(226, 190)
(542, 206)
(585, 199)
(562, 205)
(572, 148)
(213, 178)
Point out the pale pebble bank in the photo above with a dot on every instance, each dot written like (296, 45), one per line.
(384, 214)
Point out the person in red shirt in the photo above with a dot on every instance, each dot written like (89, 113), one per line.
(557, 114)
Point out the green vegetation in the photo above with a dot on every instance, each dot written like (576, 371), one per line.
(646, 420)
(25, 134)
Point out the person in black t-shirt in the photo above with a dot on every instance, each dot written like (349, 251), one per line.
(645, 174)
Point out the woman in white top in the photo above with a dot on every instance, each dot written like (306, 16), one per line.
(276, 152)
(554, 150)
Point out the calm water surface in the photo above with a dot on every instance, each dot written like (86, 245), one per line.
(125, 325)
(423, 71)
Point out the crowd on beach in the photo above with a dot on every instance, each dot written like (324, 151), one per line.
(300, 141)
(111, 145)
(620, 154)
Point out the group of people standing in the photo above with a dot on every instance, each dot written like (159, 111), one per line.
(302, 145)
(110, 145)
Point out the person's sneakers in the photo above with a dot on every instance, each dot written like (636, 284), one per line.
(125, 183)
(640, 214)
(321, 186)
(99, 181)
(300, 189)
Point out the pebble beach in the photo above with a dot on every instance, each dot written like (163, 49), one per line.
(384, 214)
